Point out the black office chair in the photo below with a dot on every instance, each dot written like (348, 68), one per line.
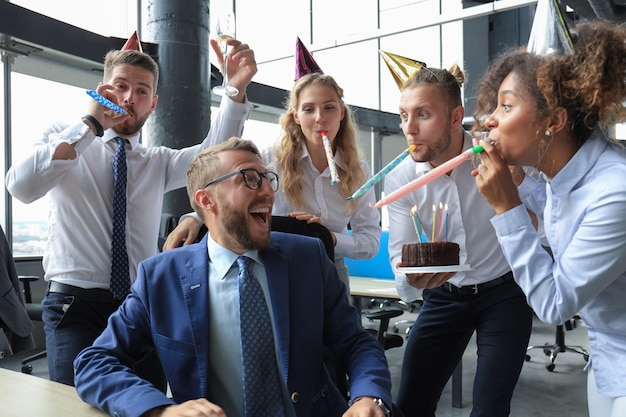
(16, 308)
(553, 349)
(34, 311)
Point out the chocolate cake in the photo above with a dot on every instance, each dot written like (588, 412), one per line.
(430, 254)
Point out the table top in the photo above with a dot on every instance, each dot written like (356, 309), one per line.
(373, 287)
(23, 395)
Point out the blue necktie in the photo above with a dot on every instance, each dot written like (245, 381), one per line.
(261, 384)
(120, 280)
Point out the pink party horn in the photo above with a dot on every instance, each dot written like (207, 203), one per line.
(426, 178)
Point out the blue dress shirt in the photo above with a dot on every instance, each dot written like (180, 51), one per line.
(585, 225)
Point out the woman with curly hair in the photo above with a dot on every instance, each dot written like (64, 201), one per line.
(553, 113)
(306, 192)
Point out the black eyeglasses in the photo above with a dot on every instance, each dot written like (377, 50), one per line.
(251, 177)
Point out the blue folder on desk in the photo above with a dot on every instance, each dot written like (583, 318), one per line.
(378, 267)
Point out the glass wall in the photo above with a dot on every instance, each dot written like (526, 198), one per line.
(344, 36)
(116, 18)
(33, 110)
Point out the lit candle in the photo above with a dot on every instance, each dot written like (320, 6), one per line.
(432, 239)
(334, 176)
(446, 222)
(415, 223)
(440, 221)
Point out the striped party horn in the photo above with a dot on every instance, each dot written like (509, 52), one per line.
(334, 175)
(381, 174)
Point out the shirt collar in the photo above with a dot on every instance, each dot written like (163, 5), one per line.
(337, 157)
(110, 135)
(581, 163)
(223, 259)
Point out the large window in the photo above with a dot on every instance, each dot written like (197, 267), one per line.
(110, 18)
(36, 104)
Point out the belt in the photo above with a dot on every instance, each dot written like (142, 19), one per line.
(476, 288)
(92, 295)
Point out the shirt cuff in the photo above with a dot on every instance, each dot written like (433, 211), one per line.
(241, 111)
(78, 133)
(511, 220)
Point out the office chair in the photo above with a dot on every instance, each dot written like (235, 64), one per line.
(34, 311)
(16, 326)
(552, 350)
(412, 307)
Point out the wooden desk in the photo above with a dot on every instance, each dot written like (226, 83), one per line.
(23, 395)
(373, 287)
(386, 288)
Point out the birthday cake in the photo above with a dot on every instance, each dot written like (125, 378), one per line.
(430, 254)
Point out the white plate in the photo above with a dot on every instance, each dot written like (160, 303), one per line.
(434, 269)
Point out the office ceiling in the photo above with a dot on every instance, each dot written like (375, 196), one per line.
(598, 9)
(591, 9)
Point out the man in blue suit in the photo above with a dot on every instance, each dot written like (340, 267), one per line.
(185, 305)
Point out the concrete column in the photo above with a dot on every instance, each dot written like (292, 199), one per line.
(183, 114)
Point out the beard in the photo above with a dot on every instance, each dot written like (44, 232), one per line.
(236, 225)
(129, 127)
(436, 149)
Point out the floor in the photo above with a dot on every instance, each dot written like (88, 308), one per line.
(539, 392)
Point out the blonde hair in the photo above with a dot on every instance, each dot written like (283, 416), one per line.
(288, 151)
(448, 81)
(207, 165)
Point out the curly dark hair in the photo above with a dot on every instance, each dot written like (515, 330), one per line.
(590, 84)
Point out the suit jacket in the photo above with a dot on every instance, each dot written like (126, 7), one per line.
(167, 311)
(13, 316)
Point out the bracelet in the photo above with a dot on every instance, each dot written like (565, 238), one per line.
(380, 403)
(95, 123)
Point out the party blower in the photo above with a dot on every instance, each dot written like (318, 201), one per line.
(105, 102)
(381, 174)
(334, 174)
(426, 178)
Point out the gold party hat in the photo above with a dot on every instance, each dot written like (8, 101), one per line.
(401, 68)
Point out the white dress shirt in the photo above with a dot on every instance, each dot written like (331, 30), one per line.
(585, 225)
(323, 199)
(81, 194)
(468, 222)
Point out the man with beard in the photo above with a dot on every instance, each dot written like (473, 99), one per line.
(190, 306)
(74, 165)
(484, 299)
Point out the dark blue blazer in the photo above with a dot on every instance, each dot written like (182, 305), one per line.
(167, 311)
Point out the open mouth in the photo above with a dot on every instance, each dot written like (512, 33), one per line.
(261, 214)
